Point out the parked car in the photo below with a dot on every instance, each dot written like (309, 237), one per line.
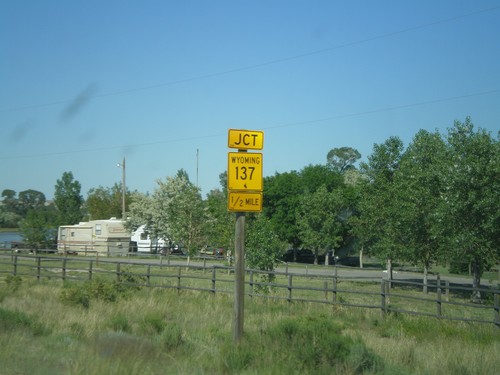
(213, 251)
(173, 250)
(299, 256)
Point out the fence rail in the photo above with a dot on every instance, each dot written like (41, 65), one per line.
(443, 301)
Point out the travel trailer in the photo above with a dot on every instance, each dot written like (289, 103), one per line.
(106, 237)
(142, 241)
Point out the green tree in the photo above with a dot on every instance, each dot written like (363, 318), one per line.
(106, 202)
(68, 200)
(219, 225)
(9, 210)
(319, 220)
(470, 210)
(263, 247)
(418, 191)
(376, 225)
(175, 211)
(342, 159)
(37, 229)
(315, 176)
(9, 200)
(142, 212)
(282, 194)
(30, 200)
(8, 219)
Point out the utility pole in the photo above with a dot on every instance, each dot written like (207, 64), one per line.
(124, 189)
(197, 162)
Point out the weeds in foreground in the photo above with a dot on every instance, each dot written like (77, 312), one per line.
(46, 329)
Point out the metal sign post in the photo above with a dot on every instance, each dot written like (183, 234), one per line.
(244, 174)
(239, 272)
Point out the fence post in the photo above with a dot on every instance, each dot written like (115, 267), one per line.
(496, 308)
(148, 276)
(64, 269)
(290, 288)
(438, 299)
(214, 275)
(90, 269)
(325, 287)
(335, 285)
(447, 291)
(179, 280)
(15, 265)
(382, 297)
(118, 274)
(388, 285)
(251, 283)
(38, 267)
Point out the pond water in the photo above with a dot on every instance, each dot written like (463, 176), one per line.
(6, 238)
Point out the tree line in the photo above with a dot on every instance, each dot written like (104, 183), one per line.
(436, 200)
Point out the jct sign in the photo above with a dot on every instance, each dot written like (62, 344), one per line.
(246, 139)
(244, 171)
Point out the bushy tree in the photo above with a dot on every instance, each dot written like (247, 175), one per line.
(282, 194)
(376, 225)
(9, 200)
(9, 210)
(106, 202)
(342, 159)
(30, 200)
(174, 211)
(219, 225)
(68, 200)
(418, 190)
(470, 209)
(37, 229)
(263, 247)
(319, 220)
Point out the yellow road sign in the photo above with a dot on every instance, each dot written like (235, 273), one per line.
(245, 139)
(244, 171)
(244, 202)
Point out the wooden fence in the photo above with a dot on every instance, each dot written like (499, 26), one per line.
(443, 301)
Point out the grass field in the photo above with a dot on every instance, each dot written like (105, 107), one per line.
(101, 327)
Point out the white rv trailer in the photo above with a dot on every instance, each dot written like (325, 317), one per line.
(142, 241)
(106, 237)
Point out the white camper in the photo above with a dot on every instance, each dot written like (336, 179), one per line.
(106, 237)
(142, 241)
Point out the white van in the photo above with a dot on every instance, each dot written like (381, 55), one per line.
(142, 241)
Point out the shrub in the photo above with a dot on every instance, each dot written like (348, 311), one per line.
(17, 320)
(13, 282)
(318, 343)
(153, 324)
(171, 337)
(83, 293)
(120, 323)
(74, 294)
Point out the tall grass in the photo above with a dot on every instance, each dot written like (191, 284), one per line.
(43, 330)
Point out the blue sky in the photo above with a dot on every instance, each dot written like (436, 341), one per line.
(85, 83)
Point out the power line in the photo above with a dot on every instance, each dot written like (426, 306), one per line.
(259, 65)
(270, 127)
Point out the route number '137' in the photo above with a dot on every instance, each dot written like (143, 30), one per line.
(244, 171)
